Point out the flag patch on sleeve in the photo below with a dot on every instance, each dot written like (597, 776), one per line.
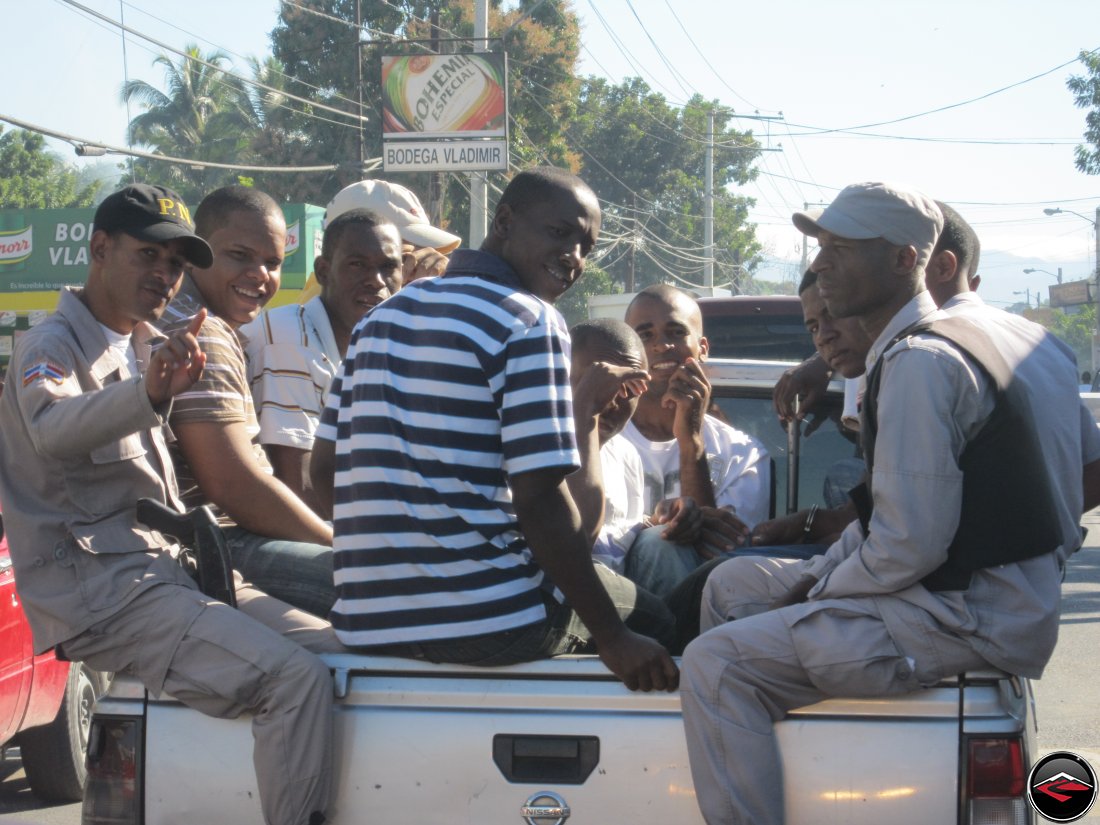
(44, 371)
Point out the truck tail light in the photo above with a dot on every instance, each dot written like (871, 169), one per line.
(995, 787)
(114, 790)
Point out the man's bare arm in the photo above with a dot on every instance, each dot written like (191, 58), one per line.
(552, 526)
(322, 474)
(689, 393)
(221, 458)
(807, 383)
(595, 389)
(291, 466)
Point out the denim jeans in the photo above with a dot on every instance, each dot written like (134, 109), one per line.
(685, 599)
(658, 565)
(296, 572)
(842, 476)
(561, 632)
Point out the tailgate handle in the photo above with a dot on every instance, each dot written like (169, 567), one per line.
(567, 760)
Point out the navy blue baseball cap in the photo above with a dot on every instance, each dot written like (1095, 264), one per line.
(153, 213)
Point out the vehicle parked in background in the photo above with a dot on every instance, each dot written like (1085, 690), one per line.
(562, 740)
(45, 704)
(1092, 401)
(758, 327)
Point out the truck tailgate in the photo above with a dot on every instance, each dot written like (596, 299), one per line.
(426, 744)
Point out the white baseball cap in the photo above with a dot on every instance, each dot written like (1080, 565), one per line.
(394, 203)
(901, 216)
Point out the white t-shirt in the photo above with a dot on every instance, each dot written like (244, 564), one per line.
(624, 501)
(739, 469)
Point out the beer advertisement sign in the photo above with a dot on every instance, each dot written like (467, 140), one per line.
(445, 112)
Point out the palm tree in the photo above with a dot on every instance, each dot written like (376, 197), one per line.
(279, 134)
(198, 117)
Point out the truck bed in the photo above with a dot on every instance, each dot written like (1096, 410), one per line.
(424, 743)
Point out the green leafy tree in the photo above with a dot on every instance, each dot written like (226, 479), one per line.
(1076, 330)
(200, 116)
(1086, 95)
(645, 159)
(573, 305)
(36, 178)
(279, 133)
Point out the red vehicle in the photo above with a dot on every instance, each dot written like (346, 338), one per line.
(45, 704)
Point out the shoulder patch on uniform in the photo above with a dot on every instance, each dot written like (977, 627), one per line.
(43, 371)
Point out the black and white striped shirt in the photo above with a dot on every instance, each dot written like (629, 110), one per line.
(448, 388)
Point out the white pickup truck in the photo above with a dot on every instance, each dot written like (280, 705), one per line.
(562, 740)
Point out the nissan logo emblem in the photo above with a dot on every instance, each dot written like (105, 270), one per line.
(544, 808)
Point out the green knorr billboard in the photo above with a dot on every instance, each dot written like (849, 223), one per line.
(44, 250)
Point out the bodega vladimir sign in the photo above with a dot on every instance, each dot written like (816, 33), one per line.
(445, 112)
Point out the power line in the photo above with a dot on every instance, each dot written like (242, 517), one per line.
(118, 150)
(699, 51)
(950, 106)
(165, 46)
(630, 59)
(679, 78)
(232, 53)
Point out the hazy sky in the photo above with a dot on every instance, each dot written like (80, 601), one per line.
(831, 68)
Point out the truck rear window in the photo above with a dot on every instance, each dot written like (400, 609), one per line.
(760, 337)
(752, 412)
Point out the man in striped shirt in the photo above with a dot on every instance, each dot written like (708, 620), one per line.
(276, 541)
(451, 434)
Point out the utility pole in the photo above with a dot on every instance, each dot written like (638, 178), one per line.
(805, 247)
(806, 242)
(633, 244)
(708, 190)
(1096, 334)
(1095, 277)
(708, 208)
(359, 85)
(479, 182)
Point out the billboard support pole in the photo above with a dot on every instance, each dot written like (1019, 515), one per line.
(479, 182)
(359, 85)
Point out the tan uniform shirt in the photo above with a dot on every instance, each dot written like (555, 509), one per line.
(80, 443)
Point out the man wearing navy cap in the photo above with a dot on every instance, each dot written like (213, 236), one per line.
(82, 432)
(919, 588)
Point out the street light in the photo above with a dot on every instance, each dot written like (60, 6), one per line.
(1096, 232)
(1026, 293)
(1051, 274)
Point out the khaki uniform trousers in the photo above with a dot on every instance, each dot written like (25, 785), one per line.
(740, 677)
(225, 662)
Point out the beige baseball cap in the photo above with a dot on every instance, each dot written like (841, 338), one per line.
(862, 211)
(394, 203)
